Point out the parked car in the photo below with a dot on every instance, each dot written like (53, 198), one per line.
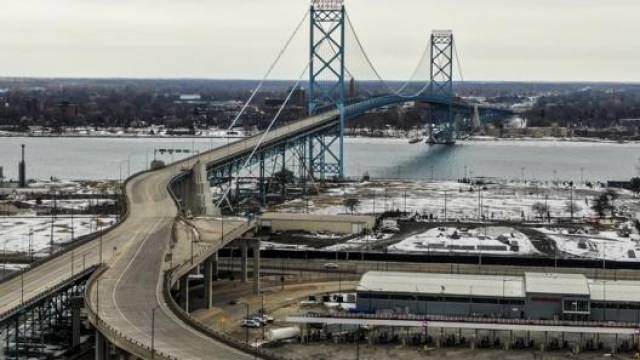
(267, 319)
(251, 323)
(260, 320)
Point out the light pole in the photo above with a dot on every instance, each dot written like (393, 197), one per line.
(571, 199)
(4, 255)
(153, 331)
(479, 203)
(446, 193)
(262, 311)
(246, 336)
(100, 240)
(604, 284)
(98, 299)
(31, 243)
(191, 237)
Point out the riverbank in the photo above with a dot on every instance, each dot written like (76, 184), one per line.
(220, 134)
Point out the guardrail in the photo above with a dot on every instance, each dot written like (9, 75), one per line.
(50, 291)
(477, 320)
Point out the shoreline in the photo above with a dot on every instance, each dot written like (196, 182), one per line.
(473, 139)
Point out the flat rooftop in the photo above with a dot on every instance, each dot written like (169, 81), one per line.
(614, 291)
(552, 283)
(283, 216)
(443, 284)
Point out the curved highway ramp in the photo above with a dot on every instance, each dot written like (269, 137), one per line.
(122, 297)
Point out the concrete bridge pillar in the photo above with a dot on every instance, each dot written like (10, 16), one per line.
(101, 347)
(210, 271)
(244, 261)
(76, 304)
(195, 192)
(184, 288)
(203, 198)
(256, 267)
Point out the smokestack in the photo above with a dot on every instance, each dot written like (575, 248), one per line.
(22, 171)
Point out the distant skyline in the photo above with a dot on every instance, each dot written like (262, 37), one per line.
(505, 40)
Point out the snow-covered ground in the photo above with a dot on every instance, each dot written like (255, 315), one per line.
(596, 244)
(15, 231)
(498, 201)
(362, 242)
(486, 240)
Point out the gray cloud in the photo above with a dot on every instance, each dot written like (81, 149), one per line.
(497, 39)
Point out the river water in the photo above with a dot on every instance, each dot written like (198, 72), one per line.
(111, 158)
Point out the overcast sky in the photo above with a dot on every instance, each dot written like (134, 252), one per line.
(564, 40)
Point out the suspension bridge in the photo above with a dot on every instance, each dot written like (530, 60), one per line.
(128, 299)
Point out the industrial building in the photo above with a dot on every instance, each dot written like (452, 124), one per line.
(335, 224)
(534, 296)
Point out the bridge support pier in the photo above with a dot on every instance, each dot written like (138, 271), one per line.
(244, 262)
(256, 267)
(184, 288)
(76, 304)
(210, 272)
(101, 347)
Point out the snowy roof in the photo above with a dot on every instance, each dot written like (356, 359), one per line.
(316, 217)
(442, 284)
(551, 283)
(615, 291)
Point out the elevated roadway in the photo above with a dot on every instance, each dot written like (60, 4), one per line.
(123, 297)
(134, 252)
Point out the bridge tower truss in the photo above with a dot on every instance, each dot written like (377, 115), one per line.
(281, 170)
(326, 76)
(36, 325)
(441, 76)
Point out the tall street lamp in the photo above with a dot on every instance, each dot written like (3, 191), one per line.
(153, 331)
(4, 255)
(246, 336)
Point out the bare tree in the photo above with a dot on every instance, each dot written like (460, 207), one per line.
(540, 208)
(351, 204)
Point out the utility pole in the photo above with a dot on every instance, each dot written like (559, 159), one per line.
(246, 335)
(153, 331)
(445, 205)
(405, 201)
